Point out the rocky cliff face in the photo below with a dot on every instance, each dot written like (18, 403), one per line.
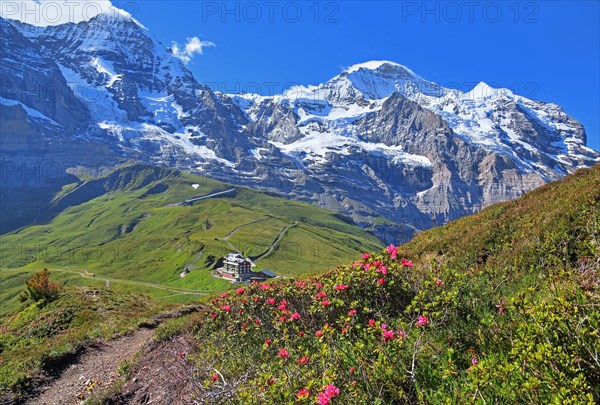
(32, 84)
(375, 141)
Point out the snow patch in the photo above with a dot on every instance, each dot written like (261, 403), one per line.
(316, 146)
(482, 90)
(31, 112)
(98, 99)
(373, 65)
(106, 68)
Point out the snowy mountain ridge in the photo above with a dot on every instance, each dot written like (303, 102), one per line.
(327, 113)
(375, 141)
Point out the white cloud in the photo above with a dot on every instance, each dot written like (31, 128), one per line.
(193, 46)
(55, 12)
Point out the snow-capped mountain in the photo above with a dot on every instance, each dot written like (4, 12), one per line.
(376, 140)
(537, 136)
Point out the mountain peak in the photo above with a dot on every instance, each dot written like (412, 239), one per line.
(44, 13)
(482, 90)
(378, 79)
(376, 65)
(115, 14)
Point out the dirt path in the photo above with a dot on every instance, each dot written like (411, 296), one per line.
(190, 201)
(96, 368)
(161, 376)
(276, 241)
(230, 234)
(82, 273)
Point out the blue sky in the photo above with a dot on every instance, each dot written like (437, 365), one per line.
(545, 50)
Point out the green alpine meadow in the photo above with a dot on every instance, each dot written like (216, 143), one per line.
(134, 228)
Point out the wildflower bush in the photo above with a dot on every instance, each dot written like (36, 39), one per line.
(413, 337)
(511, 318)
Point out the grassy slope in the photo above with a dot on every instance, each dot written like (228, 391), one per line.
(552, 219)
(511, 296)
(124, 232)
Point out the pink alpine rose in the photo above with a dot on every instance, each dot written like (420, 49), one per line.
(422, 321)
(323, 399)
(303, 394)
(392, 251)
(331, 390)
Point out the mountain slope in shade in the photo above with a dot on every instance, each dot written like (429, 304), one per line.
(377, 139)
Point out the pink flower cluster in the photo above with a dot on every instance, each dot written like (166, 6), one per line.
(422, 321)
(329, 392)
(392, 251)
(303, 394)
(388, 335)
